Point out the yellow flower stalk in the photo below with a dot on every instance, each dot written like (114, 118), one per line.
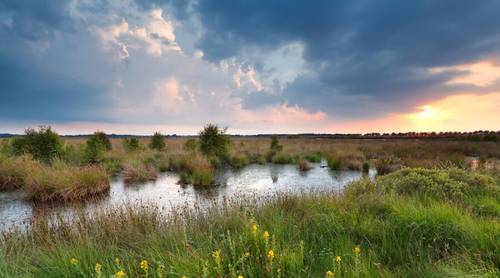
(270, 254)
(338, 259)
(329, 274)
(98, 268)
(357, 250)
(120, 274)
(144, 265)
(73, 261)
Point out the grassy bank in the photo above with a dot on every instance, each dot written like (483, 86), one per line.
(394, 226)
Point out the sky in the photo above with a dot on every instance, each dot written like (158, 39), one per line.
(135, 67)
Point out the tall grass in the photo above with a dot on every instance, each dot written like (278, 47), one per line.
(370, 231)
(13, 171)
(66, 183)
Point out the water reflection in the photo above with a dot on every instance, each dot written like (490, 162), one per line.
(261, 181)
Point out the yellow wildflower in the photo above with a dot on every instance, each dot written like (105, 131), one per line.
(98, 268)
(240, 276)
(183, 276)
(255, 228)
(144, 265)
(357, 250)
(329, 274)
(338, 259)
(270, 254)
(216, 254)
(73, 261)
(120, 274)
(265, 235)
(247, 254)
(117, 261)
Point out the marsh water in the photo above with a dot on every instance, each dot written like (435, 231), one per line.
(258, 181)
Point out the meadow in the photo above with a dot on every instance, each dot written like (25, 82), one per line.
(433, 210)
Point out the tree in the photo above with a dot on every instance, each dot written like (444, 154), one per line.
(214, 142)
(131, 144)
(95, 147)
(157, 142)
(43, 145)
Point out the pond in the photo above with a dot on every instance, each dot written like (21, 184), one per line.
(260, 181)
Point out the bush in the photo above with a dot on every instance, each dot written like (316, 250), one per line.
(190, 145)
(453, 184)
(131, 144)
(95, 147)
(214, 142)
(157, 142)
(387, 165)
(274, 148)
(43, 145)
(366, 167)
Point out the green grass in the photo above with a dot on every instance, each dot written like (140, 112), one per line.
(399, 233)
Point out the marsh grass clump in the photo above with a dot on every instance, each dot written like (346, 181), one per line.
(196, 170)
(334, 163)
(239, 161)
(61, 182)
(314, 157)
(304, 165)
(387, 165)
(13, 171)
(136, 172)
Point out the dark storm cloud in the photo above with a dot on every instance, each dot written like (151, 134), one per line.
(32, 95)
(373, 50)
(32, 86)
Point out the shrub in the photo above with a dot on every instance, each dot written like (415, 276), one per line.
(66, 183)
(131, 144)
(190, 145)
(135, 172)
(366, 167)
(214, 142)
(95, 147)
(157, 142)
(274, 148)
(43, 145)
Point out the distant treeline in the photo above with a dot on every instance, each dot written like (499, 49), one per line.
(480, 135)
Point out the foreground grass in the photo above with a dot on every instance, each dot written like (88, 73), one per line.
(372, 230)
